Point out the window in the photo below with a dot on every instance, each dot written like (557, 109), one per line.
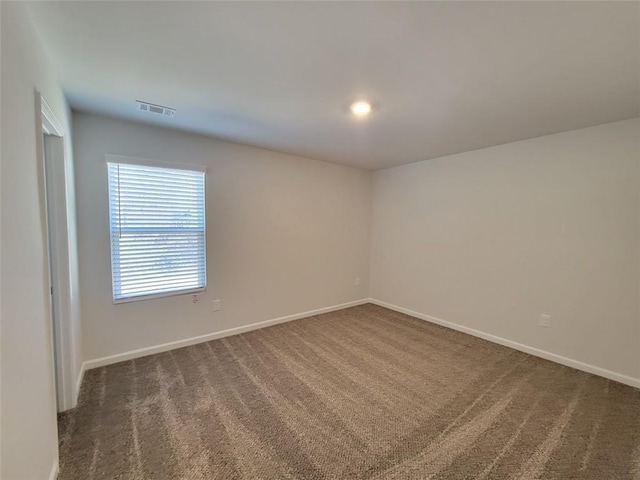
(157, 223)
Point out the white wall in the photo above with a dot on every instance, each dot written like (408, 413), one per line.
(28, 424)
(285, 235)
(490, 239)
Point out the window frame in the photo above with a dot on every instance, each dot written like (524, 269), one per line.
(145, 162)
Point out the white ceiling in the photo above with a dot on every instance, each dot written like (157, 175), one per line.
(445, 77)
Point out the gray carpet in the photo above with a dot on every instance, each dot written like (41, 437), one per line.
(363, 393)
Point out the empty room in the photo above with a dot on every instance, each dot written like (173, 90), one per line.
(320, 240)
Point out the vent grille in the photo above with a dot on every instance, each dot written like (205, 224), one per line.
(156, 109)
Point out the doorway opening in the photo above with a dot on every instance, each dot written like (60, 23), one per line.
(57, 231)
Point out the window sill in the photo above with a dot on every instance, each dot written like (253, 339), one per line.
(140, 298)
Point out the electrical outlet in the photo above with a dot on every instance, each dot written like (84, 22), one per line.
(215, 305)
(356, 282)
(544, 320)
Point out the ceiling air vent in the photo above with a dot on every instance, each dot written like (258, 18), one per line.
(157, 109)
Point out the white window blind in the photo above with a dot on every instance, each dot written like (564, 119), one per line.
(157, 223)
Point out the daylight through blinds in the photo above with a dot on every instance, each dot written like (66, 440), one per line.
(157, 223)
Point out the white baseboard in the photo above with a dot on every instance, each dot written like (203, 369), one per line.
(585, 367)
(165, 347)
(54, 471)
(79, 381)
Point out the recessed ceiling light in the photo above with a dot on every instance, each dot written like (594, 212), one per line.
(360, 108)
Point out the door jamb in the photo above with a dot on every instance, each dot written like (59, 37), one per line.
(56, 240)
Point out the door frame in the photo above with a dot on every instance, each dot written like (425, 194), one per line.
(51, 148)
